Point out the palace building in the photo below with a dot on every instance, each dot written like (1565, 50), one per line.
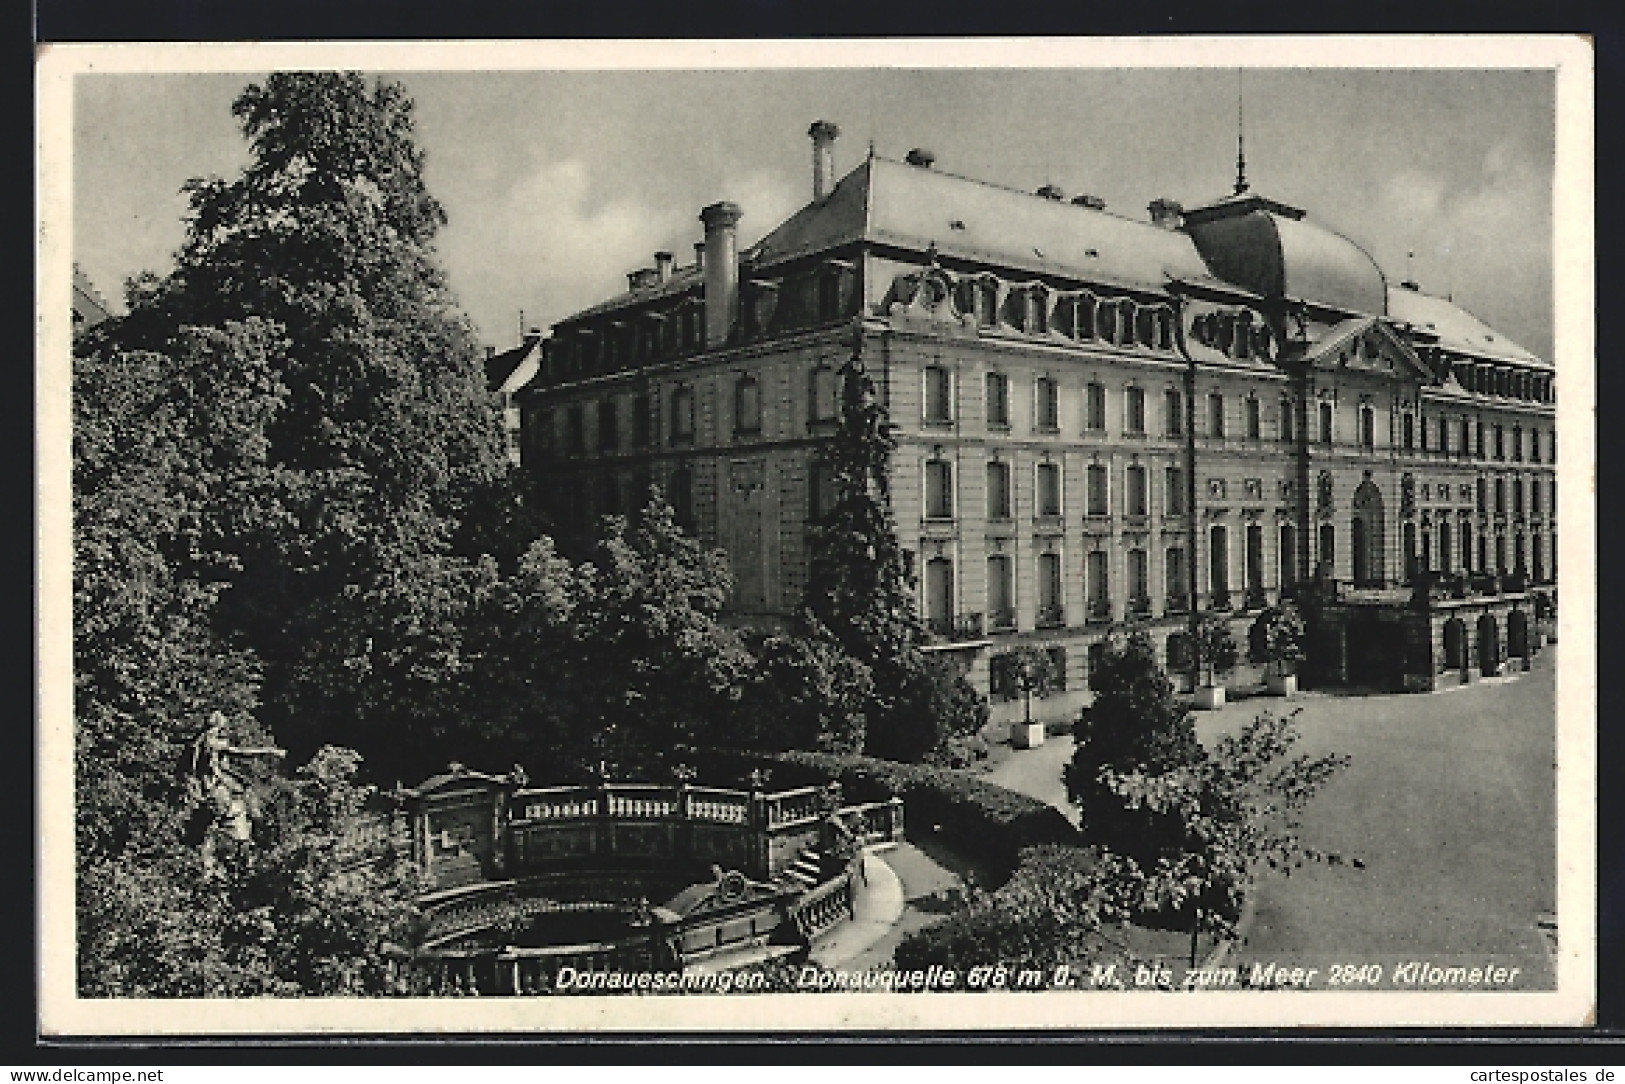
(1099, 417)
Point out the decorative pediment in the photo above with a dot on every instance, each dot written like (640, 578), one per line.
(1367, 344)
(926, 295)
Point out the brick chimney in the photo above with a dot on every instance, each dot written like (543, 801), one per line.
(1166, 213)
(699, 255)
(823, 135)
(663, 266)
(721, 271)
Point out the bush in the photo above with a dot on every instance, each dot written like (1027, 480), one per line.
(934, 704)
(1049, 912)
(983, 820)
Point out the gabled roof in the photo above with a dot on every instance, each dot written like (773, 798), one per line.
(1458, 330)
(1358, 327)
(914, 207)
(512, 369)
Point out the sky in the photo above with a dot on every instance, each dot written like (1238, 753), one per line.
(558, 183)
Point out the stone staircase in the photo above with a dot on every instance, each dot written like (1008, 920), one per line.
(804, 872)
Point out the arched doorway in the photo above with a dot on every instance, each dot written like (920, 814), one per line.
(1518, 635)
(1366, 534)
(1455, 644)
(1489, 646)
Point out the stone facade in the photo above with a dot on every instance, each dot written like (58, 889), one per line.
(1097, 418)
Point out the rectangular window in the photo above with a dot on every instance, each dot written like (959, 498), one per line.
(640, 421)
(823, 489)
(1326, 424)
(1534, 497)
(1001, 597)
(1174, 572)
(1465, 446)
(823, 394)
(938, 395)
(1368, 427)
(1139, 584)
(998, 491)
(1517, 444)
(1174, 484)
(609, 436)
(1517, 497)
(1288, 413)
(682, 415)
(1049, 489)
(1097, 490)
(998, 400)
(575, 430)
(1254, 425)
(1136, 491)
(1095, 407)
(1100, 603)
(939, 489)
(1479, 443)
(1134, 409)
(1534, 445)
(1173, 413)
(747, 405)
(1500, 446)
(1048, 408)
(1407, 432)
(1215, 416)
(1050, 613)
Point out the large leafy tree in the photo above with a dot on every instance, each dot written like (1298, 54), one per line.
(385, 451)
(1134, 724)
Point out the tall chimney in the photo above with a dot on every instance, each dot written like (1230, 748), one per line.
(721, 271)
(699, 255)
(1165, 213)
(823, 135)
(663, 266)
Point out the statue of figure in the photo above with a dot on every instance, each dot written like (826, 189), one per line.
(215, 779)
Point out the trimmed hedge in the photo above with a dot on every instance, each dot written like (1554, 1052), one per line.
(982, 820)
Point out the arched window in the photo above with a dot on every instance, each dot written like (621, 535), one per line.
(747, 405)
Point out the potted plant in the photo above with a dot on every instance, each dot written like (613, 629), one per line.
(1215, 654)
(1032, 670)
(1283, 646)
